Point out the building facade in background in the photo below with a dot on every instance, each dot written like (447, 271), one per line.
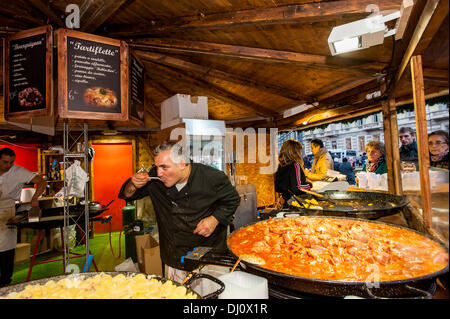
(348, 138)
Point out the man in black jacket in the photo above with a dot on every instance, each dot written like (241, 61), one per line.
(194, 203)
(408, 150)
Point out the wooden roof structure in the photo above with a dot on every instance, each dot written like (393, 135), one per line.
(255, 59)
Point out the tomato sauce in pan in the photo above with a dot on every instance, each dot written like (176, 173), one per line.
(338, 249)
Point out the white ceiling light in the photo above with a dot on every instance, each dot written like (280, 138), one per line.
(361, 34)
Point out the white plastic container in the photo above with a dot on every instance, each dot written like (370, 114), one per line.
(241, 285)
(27, 194)
(182, 106)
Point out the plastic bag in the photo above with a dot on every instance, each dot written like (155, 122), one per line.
(76, 180)
(127, 266)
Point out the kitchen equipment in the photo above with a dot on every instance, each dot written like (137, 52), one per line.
(34, 214)
(95, 209)
(337, 288)
(26, 194)
(242, 285)
(19, 287)
(366, 205)
(246, 212)
(320, 196)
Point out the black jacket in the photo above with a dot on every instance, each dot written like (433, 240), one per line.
(290, 178)
(207, 192)
(347, 169)
(408, 153)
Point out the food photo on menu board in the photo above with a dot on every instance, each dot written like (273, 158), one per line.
(93, 76)
(27, 73)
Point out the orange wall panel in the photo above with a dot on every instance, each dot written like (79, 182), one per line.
(112, 166)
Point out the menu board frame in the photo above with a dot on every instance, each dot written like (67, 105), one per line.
(132, 118)
(27, 114)
(63, 105)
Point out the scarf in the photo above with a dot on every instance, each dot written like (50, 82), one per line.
(372, 166)
(439, 157)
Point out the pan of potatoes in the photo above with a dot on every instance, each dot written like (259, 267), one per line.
(106, 285)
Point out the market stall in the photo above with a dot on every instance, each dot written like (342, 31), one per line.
(225, 79)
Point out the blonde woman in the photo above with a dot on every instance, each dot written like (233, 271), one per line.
(290, 177)
(376, 160)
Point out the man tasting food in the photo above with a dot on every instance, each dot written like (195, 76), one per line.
(194, 204)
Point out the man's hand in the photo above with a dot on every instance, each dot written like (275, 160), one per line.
(140, 179)
(206, 226)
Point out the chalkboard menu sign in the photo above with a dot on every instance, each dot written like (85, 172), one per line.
(136, 86)
(92, 77)
(28, 71)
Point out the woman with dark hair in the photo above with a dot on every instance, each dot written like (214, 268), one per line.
(376, 161)
(290, 177)
(322, 161)
(438, 146)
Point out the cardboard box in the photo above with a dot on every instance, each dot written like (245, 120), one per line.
(149, 259)
(183, 106)
(28, 235)
(22, 253)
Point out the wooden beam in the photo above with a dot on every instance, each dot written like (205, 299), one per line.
(431, 73)
(296, 13)
(390, 128)
(422, 136)
(421, 25)
(48, 10)
(207, 71)
(405, 12)
(210, 88)
(329, 116)
(257, 54)
(93, 13)
(344, 88)
(21, 16)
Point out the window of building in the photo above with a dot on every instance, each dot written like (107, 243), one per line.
(362, 144)
(348, 143)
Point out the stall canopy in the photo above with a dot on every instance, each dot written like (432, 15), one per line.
(258, 61)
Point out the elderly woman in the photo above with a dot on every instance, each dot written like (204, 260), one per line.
(290, 176)
(438, 146)
(376, 161)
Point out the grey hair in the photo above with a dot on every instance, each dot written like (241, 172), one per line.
(376, 145)
(177, 152)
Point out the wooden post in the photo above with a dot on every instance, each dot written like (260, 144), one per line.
(395, 146)
(388, 146)
(390, 128)
(421, 135)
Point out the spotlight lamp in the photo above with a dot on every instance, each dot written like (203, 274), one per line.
(361, 34)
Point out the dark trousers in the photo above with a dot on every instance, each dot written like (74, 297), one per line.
(6, 266)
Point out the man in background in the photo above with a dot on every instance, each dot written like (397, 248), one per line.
(322, 161)
(346, 168)
(12, 179)
(408, 150)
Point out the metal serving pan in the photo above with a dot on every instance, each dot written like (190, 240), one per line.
(381, 205)
(336, 288)
(19, 287)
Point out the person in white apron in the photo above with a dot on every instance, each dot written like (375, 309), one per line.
(12, 179)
